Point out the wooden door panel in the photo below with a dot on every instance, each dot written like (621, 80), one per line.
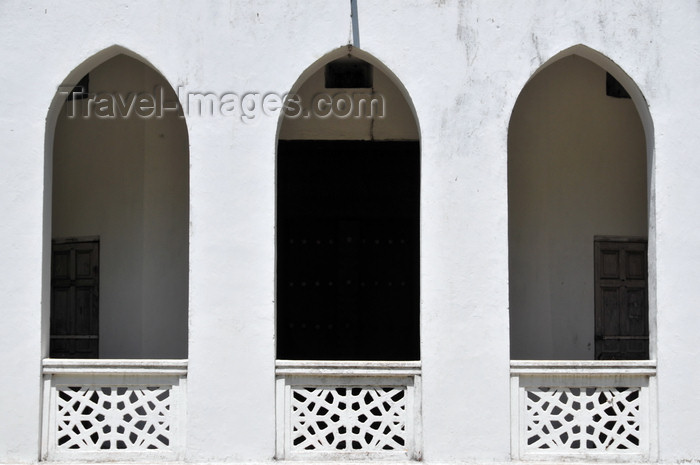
(61, 303)
(636, 266)
(610, 264)
(85, 311)
(612, 302)
(84, 263)
(634, 318)
(61, 265)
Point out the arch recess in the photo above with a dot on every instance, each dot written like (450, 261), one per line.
(580, 173)
(116, 182)
(348, 183)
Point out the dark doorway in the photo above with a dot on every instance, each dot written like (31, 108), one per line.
(75, 299)
(621, 299)
(348, 257)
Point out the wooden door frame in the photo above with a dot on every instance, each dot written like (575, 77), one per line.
(73, 240)
(598, 313)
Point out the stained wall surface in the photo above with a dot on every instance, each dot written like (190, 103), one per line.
(463, 65)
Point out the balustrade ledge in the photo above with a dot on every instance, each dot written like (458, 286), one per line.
(347, 368)
(53, 366)
(583, 367)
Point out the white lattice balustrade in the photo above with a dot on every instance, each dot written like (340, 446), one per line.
(97, 409)
(345, 409)
(582, 409)
(357, 418)
(113, 417)
(567, 419)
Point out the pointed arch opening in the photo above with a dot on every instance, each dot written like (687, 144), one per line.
(348, 215)
(116, 214)
(580, 208)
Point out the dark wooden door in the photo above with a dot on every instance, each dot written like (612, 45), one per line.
(75, 299)
(621, 299)
(348, 284)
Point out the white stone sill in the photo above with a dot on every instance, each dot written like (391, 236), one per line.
(346, 368)
(583, 367)
(55, 366)
(392, 462)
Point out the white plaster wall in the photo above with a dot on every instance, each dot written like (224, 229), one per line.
(676, 111)
(463, 65)
(576, 170)
(126, 181)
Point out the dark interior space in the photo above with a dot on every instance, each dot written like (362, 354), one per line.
(348, 270)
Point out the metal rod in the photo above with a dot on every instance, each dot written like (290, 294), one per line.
(355, 24)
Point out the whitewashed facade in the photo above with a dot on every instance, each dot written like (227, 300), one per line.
(171, 215)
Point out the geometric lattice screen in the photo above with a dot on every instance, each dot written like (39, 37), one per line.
(92, 418)
(579, 420)
(358, 419)
(348, 410)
